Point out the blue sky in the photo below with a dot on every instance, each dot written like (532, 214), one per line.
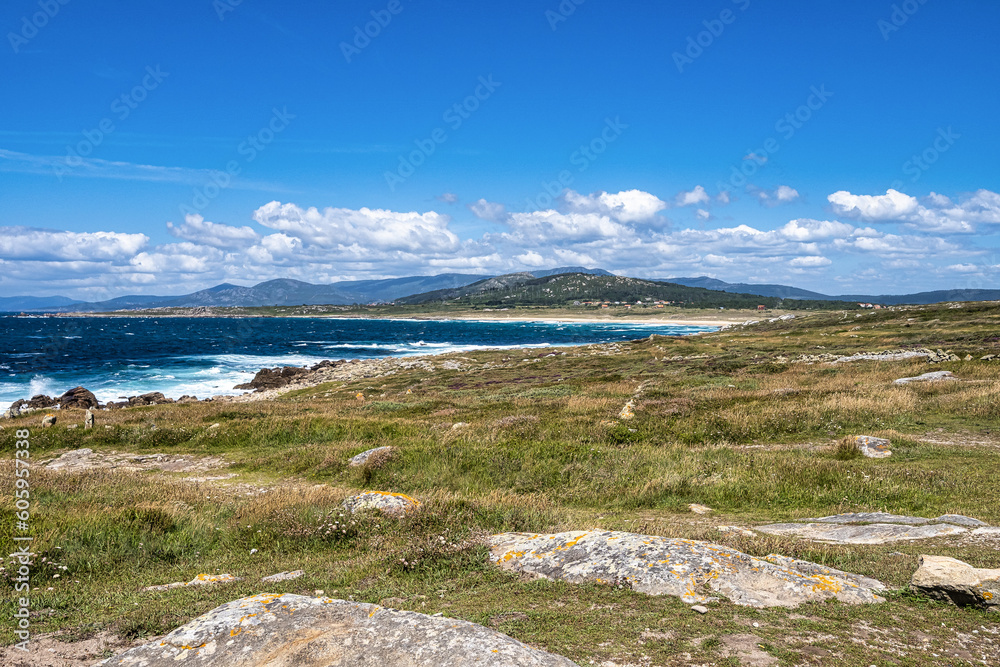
(161, 148)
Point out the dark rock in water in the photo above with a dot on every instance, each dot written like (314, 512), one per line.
(78, 397)
(272, 378)
(297, 630)
(37, 402)
(326, 364)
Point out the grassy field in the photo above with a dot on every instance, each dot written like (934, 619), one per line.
(530, 440)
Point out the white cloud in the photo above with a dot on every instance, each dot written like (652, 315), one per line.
(447, 197)
(783, 194)
(805, 229)
(811, 262)
(196, 228)
(724, 197)
(703, 215)
(786, 193)
(935, 213)
(530, 258)
(696, 196)
(544, 227)
(893, 205)
(628, 206)
(366, 230)
(26, 243)
(487, 210)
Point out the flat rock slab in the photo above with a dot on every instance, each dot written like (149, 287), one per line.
(283, 576)
(287, 630)
(200, 580)
(957, 582)
(885, 517)
(688, 569)
(87, 459)
(936, 376)
(872, 533)
(385, 501)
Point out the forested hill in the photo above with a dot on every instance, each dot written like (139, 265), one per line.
(523, 289)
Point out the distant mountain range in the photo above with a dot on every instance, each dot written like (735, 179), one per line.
(281, 292)
(786, 292)
(285, 292)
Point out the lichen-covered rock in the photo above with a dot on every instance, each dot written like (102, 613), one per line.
(200, 580)
(872, 447)
(872, 533)
(689, 569)
(290, 630)
(387, 502)
(49, 420)
(957, 582)
(362, 458)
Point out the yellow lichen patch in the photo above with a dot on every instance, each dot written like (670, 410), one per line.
(511, 554)
(827, 584)
(987, 595)
(374, 611)
(395, 495)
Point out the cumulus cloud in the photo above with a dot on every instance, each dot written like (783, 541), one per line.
(542, 227)
(26, 243)
(783, 194)
(934, 213)
(893, 205)
(804, 229)
(811, 262)
(487, 210)
(369, 229)
(696, 196)
(195, 228)
(629, 206)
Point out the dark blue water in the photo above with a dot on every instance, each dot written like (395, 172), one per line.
(115, 357)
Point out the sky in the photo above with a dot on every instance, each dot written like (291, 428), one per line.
(841, 146)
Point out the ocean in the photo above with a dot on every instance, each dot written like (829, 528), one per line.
(115, 357)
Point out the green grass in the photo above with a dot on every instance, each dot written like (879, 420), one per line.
(722, 420)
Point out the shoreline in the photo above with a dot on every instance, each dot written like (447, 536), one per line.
(478, 317)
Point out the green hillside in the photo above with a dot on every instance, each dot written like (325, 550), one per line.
(569, 289)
